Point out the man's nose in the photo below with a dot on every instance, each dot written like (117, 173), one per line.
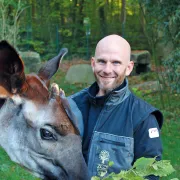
(107, 69)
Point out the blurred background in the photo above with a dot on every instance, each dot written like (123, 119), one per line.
(39, 28)
(47, 25)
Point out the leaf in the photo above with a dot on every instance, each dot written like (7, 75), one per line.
(95, 178)
(125, 175)
(108, 178)
(162, 168)
(110, 163)
(143, 167)
(143, 163)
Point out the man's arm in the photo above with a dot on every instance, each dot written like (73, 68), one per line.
(147, 141)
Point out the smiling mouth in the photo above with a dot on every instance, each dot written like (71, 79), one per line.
(106, 77)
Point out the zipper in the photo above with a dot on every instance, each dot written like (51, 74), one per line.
(95, 127)
(97, 123)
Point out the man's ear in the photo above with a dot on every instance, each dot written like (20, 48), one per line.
(129, 68)
(92, 63)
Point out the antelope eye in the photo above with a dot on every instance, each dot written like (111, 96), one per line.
(47, 135)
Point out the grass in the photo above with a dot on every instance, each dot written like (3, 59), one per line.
(171, 137)
(170, 130)
(12, 171)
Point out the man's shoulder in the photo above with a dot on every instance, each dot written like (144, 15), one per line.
(80, 96)
(79, 93)
(138, 102)
(142, 109)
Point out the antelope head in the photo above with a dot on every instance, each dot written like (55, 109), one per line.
(35, 130)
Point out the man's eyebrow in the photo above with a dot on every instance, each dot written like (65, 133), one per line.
(100, 59)
(118, 60)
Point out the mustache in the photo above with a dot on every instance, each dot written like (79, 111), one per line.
(107, 75)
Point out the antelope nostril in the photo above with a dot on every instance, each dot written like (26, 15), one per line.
(62, 175)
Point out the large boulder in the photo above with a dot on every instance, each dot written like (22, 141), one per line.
(164, 49)
(152, 86)
(80, 73)
(142, 60)
(31, 60)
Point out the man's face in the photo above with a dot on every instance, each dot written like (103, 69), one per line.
(110, 68)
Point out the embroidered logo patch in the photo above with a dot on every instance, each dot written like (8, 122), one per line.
(103, 167)
(153, 133)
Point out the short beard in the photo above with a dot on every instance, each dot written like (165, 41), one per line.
(106, 91)
(116, 83)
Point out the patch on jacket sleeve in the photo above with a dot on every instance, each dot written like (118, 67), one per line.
(153, 132)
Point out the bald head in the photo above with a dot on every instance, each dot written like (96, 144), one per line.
(111, 63)
(114, 44)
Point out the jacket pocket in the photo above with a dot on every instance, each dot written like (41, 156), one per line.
(107, 141)
(108, 147)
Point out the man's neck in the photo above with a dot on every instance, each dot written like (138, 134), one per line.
(102, 92)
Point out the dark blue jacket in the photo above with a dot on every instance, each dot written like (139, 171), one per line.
(126, 129)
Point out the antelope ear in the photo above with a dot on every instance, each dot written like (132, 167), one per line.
(12, 75)
(66, 104)
(51, 66)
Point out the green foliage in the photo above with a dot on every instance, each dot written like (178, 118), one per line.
(110, 163)
(12, 171)
(172, 64)
(35, 45)
(137, 92)
(170, 136)
(10, 13)
(160, 25)
(170, 131)
(148, 76)
(61, 23)
(142, 167)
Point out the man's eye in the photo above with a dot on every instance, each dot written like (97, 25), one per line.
(100, 61)
(47, 135)
(116, 63)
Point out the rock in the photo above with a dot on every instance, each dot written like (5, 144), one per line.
(164, 49)
(81, 73)
(141, 57)
(152, 86)
(31, 60)
(142, 60)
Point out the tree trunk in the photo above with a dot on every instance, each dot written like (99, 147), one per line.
(102, 17)
(123, 16)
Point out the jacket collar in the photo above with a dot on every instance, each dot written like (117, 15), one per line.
(114, 97)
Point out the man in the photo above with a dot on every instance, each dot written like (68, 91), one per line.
(117, 126)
